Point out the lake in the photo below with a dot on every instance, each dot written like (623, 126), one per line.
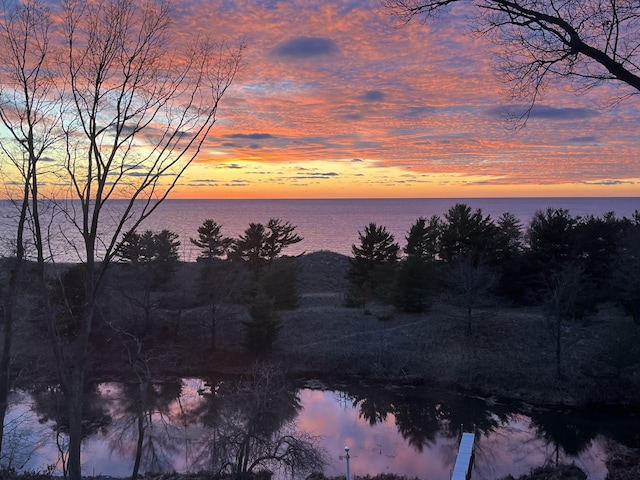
(407, 431)
(330, 224)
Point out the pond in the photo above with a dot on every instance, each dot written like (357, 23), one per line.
(407, 431)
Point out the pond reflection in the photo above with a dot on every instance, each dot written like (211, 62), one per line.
(234, 426)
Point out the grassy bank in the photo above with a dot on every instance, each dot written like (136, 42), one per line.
(510, 353)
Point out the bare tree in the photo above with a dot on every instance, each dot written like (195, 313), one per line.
(587, 42)
(139, 119)
(469, 284)
(135, 111)
(567, 298)
(30, 125)
(255, 430)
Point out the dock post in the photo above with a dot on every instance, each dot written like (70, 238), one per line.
(346, 449)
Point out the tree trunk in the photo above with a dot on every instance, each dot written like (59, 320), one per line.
(78, 366)
(10, 302)
(212, 345)
(559, 347)
(5, 361)
(74, 399)
(141, 430)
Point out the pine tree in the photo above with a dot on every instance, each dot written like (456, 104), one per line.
(211, 242)
(261, 332)
(372, 267)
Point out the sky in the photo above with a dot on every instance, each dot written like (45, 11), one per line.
(336, 101)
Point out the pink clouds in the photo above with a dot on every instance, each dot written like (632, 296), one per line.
(333, 80)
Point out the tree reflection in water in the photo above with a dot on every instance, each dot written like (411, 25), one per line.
(147, 424)
(420, 418)
(50, 405)
(234, 426)
(251, 427)
(506, 436)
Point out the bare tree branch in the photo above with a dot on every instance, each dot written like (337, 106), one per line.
(585, 42)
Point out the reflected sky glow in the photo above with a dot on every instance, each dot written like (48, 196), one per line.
(513, 447)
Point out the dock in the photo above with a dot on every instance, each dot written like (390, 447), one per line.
(464, 460)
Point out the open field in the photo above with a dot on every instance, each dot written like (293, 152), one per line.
(510, 353)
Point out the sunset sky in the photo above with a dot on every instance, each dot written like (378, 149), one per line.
(335, 101)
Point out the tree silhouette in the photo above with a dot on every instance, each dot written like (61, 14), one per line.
(372, 267)
(130, 111)
(261, 331)
(272, 276)
(569, 296)
(153, 254)
(31, 128)
(211, 242)
(260, 244)
(423, 240)
(466, 233)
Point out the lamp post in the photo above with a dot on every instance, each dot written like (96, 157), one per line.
(346, 449)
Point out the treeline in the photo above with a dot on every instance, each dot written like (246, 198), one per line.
(463, 252)
(248, 270)
(567, 263)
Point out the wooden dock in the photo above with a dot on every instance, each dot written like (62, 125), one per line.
(464, 461)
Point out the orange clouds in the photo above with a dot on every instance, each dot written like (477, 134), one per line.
(329, 82)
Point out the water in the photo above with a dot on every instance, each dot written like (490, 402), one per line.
(334, 224)
(411, 432)
(325, 224)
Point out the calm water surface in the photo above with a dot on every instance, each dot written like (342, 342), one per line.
(334, 224)
(323, 224)
(410, 432)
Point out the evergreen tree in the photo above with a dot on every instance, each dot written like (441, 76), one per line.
(415, 284)
(260, 244)
(423, 240)
(467, 233)
(165, 255)
(211, 242)
(280, 236)
(372, 267)
(217, 281)
(509, 237)
(417, 274)
(552, 239)
(154, 254)
(279, 282)
(626, 280)
(509, 259)
(250, 247)
(261, 332)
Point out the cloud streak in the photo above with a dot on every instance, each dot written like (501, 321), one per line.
(306, 47)
(333, 84)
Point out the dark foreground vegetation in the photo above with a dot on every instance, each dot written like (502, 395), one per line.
(547, 312)
(542, 314)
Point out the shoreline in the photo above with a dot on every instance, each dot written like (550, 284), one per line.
(509, 355)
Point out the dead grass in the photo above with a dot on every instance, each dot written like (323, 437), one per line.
(510, 352)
